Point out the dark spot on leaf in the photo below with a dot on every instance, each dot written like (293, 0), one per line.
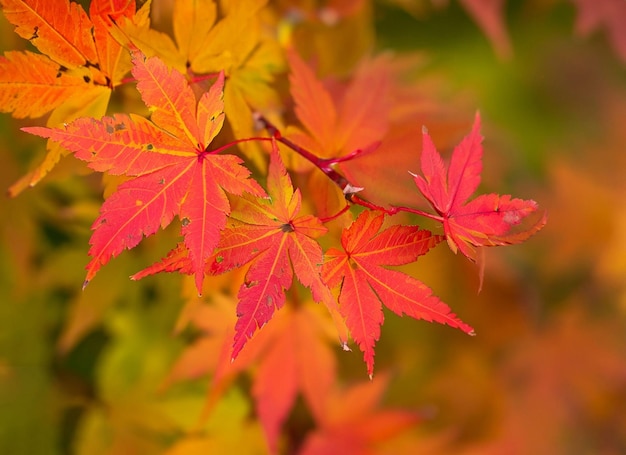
(219, 259)
(186, 221)
(149, 147)
(61, 70)
(120, 127)
(110, 129)
(87, 79)
(161, 181)
(35, 33)
(287, 227)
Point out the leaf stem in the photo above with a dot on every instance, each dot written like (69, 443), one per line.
(235, 142)
(325, 165)
(396, 209)
(336, 215)
(127, 80)
(322, 164)
(195, 78)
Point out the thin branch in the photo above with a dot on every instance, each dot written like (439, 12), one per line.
(235, 142)
(336, 215)
(322, 164)
(325, 165)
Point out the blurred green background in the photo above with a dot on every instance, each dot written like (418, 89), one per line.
(546, 373)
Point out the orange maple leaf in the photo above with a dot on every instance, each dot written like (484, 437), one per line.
(341, 121)
(175, 172)
(77, 53)
(79, 64)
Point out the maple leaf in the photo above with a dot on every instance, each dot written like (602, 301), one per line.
(486, 220)
(234, 43)
(73, 76)
(365, 284)
(298, 358)
(271, 233)
(77, 53)
(489, 15)
(351, 424)
(603, 14)
(358, 121)
(340, 121)
(292, 354)
(175, 173)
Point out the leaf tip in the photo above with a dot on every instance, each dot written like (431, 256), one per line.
(85, 283)
(345, 347)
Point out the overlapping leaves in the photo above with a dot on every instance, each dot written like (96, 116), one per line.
(174, 171)
(79, 64)
(274, 237)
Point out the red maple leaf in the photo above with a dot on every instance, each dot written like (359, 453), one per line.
(486, 220)
(353, 423)
(603, 14)
(365, 284)
(291, 355)
(270, 233)
(175, 172)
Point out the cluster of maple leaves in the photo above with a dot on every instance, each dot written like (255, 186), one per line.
(217, 154)
(175, 170)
